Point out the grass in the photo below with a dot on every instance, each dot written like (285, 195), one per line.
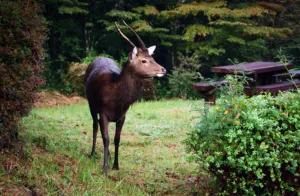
(152, 157)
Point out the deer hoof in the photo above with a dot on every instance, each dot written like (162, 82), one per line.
(93, 155)
(115, 167)
(105, 169)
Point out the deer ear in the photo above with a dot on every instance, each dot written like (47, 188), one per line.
(134, 53)
(151, 50)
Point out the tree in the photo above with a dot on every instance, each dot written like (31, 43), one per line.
(219, 30)
(213, 30)
(21, 59)
(289, 18)
(66, 22)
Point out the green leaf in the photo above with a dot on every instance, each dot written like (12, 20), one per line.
(123, 15)
(236, 40)
(263, 145)
(197, 30)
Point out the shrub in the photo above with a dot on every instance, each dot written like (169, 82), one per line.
(251, 145)
(184, 75)
(162, 89)
(75, 78)
(21, 55)
(148, 90)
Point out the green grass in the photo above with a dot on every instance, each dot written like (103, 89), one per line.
(152, 157)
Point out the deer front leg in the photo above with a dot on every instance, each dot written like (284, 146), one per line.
(104, 132)
(119, 126)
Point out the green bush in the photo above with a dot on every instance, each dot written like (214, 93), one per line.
(74, 79)
(251, 145)
(184, 76)
(162, 89)
(21, 59)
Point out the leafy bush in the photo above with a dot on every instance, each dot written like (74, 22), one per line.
(184, 75)
(148, 91)
(251, 145)
(21, 57)
(75, 78)
(162, 89)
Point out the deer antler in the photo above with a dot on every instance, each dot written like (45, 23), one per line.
(124, 35)
(140, 40)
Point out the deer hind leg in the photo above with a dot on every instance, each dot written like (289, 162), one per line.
(95, 131)
(105, 137)
(119, 126)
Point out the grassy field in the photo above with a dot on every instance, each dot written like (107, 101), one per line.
(152, 157)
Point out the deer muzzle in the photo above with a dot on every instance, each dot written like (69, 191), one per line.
(162, 72)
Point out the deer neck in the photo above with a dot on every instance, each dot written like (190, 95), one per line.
(129, 88)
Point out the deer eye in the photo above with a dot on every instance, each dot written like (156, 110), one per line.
(144, 61)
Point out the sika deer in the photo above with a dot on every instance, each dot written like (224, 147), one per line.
(111, 91)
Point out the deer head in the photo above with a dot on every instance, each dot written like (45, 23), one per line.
(141, 62)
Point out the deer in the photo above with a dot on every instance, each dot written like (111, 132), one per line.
(111, 91)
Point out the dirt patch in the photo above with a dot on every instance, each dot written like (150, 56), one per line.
(50, 99)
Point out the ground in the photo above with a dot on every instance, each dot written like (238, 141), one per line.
(14, 159)
(56, 143)
(50, 99)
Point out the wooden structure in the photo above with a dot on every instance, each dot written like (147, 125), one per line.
(295, 73)
(208, 90)
(274, 88)
(264, 79)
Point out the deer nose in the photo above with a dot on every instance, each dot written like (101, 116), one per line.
(162, 72)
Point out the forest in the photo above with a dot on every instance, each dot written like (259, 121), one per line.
(191, 36)
(46, 45)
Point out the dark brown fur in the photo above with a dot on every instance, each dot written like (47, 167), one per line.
(110, 92)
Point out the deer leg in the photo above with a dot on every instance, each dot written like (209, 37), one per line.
(95, 131)
(105, 138)
(119, 126)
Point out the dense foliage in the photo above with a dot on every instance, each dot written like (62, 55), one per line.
(289, 18)
(184, 76)
(212, 30)
(21, 56)
(251, 145)
(75, 79)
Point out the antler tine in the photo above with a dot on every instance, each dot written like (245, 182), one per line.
(140, 40)
(124, 35)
